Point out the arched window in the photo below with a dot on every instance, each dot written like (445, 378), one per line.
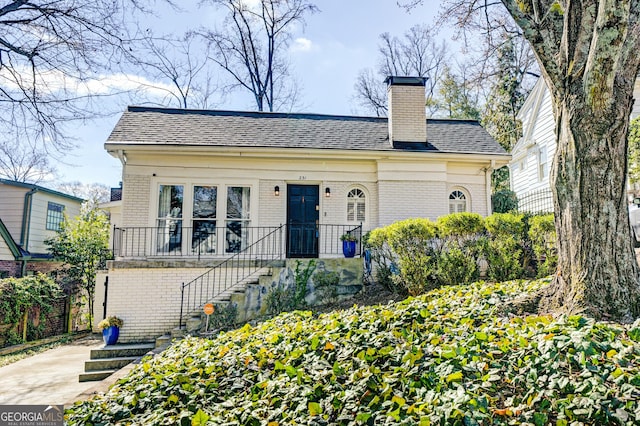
(457, 202)
(356, 206)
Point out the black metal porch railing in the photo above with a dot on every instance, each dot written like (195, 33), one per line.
(232, 271)
(272, 246)
(175, 241)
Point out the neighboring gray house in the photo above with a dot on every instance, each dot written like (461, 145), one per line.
(29, 214)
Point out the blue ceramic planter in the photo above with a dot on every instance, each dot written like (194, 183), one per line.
(110, 335)
(349, 248)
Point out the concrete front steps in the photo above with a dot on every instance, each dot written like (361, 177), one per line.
(196, 320)
(109, 359)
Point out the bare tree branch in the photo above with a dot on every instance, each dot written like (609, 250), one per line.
(418, 54)
(50, 51)
(23, 162)
(178, 69)
(251, 48)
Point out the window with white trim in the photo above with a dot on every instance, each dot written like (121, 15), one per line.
(457, 202)
(238, 217)
(356, 206)
(169, 220)
(203, 222)
(543, 164)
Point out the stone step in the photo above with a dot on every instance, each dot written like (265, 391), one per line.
(94, 376)
(162, 341)
(122, 350)
(108, 363)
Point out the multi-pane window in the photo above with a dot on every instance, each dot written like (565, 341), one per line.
(204, 238)
(543, 164)
(457, 202)
(55, 216)
(356, 207)
(238, 217)
(169, 232)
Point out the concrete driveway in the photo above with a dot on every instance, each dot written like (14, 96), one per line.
(50, 377)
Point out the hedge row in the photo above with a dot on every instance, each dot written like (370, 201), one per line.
(417, 255)
(24, 303)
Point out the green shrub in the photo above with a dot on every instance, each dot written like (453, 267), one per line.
(456, 266)
(224, 316)
(504, 201)
(504, 257)
(460, 224)
(382, 257)
(325, 283)
(283, 299)
(411, 240)
(542, 233)
(506, 224)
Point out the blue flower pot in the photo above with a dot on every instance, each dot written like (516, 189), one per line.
(349, 248)
(110, 335)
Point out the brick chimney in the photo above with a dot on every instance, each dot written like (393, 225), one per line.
(407, 116)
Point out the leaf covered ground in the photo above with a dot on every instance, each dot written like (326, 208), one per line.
(442, 358)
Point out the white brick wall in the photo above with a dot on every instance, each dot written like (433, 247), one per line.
(136, 192)
(407, 117)
(405, 199)
(147, 300)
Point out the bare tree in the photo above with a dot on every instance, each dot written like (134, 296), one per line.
(252, 45)
(50, 52)
(588, 57)
(92, 192)
(23, 162)
(417, 54)
(178, 69)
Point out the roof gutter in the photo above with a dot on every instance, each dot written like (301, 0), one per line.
(26, 219)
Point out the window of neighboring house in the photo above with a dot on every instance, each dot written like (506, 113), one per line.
(356, 206)
(169, 231)
(238, 218)
(543, 164)
(55, 216)
(204, 238)
(457, 202)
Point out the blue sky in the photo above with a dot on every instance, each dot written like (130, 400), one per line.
(327, 55)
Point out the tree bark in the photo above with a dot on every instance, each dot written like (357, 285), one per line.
(597, 270)
(588, 56)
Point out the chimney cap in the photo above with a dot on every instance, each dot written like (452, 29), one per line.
(405, 81)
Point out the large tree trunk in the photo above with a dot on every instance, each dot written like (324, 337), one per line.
(597, 269)
(588, 52)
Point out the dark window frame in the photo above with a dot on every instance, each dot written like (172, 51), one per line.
(55, 216)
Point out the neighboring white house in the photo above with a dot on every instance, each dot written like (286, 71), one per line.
(532, 156)
(201, 186)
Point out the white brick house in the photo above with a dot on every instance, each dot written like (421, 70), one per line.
(200, 186)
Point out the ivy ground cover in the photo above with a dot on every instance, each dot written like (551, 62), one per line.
(444, 358)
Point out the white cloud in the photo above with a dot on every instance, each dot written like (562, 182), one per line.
(302, 44)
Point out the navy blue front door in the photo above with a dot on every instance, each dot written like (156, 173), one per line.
(303, 213)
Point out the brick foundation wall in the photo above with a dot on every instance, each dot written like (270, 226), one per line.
(10, 268)
(147, 300)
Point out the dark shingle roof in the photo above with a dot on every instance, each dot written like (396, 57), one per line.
(163, 126)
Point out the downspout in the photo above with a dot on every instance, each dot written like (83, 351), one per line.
(26, 225)
(487, 182)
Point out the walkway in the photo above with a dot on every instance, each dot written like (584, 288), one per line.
(50, 377)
